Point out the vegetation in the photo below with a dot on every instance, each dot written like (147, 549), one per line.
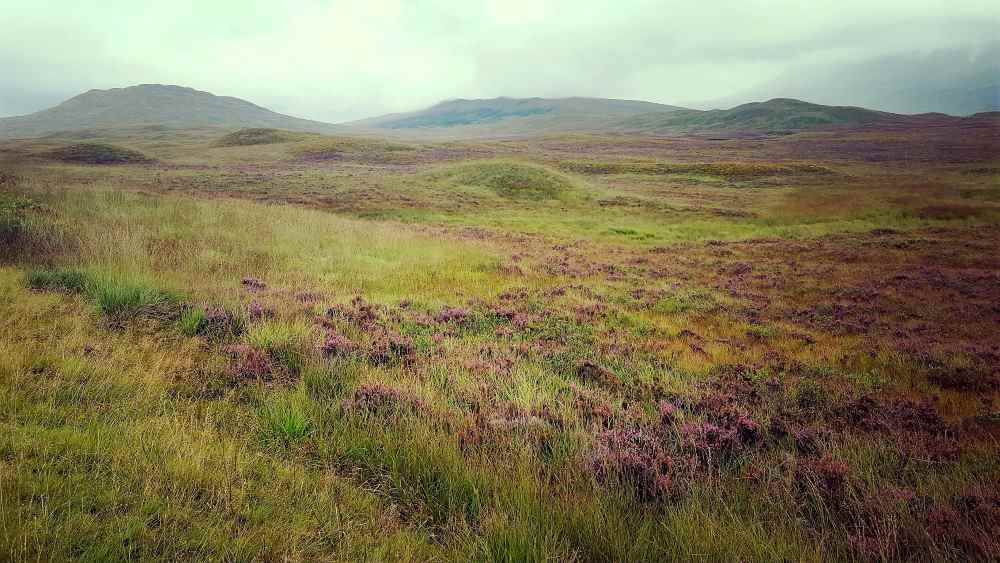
(509, 179)
(97, 153)
(569, 348)
(258, 136)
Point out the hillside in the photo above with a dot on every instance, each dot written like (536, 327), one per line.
(152, 104)
(510, 116)
(773, 116)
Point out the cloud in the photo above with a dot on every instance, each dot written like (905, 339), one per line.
(337, 60)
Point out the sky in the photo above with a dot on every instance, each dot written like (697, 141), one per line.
(341, 60)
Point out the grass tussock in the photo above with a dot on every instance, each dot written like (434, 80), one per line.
(284, 421)
(70, 281)
(121, 297)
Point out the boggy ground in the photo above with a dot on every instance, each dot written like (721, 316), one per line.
(571, 348)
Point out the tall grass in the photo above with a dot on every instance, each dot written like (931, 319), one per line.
(120, 296)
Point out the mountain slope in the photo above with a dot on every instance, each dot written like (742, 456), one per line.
(152, 104)
(510, 116)
(773, 116)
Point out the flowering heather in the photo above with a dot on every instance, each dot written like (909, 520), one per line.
(589, 312)
(452, 314)
(806, 441)
(636, 456)
(219, 321)
(828, 474)
(668, 412)
(249, 363)
(591, 407)
(514, 295)
(590, 371)
(378, 398)
(335, 344)
(253, 284)
(387, 347)
(257, 312)
(725, 436)
(359, 312)
(306, 296)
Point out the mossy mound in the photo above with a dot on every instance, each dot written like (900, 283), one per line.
(372, 151)
(512, 180)
(97, 153)
(246, 137)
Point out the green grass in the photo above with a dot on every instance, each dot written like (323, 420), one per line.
(513, 180)
(288, 343)
(259, 136)
(127, 441)
(57, 280)
(122, 297)
(285, 421)
(192, 321)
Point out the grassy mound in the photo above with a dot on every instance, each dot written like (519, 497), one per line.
(246, 137)
(355, 149)
(97, 153)
(512, 180)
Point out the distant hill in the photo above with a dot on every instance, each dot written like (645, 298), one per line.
(955, 81)
(532, 116)
(780, 115)
(152, 104)
(510, 116)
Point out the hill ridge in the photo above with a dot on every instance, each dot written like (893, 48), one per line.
(146, 104)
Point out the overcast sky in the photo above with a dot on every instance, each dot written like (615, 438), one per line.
(338, 60)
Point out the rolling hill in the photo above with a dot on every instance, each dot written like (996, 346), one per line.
(780, 115)
(509, 116)
(152, 104)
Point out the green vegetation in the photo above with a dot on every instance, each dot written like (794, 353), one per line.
(57, 280)
(354, 148)
(118, 296)
(97, 153)
(519, 350)
(246, 137)
(511, 180)
(773, 116)
(728, 170)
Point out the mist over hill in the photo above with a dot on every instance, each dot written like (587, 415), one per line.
(152, 104)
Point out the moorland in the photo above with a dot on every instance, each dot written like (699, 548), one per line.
(271, 344)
